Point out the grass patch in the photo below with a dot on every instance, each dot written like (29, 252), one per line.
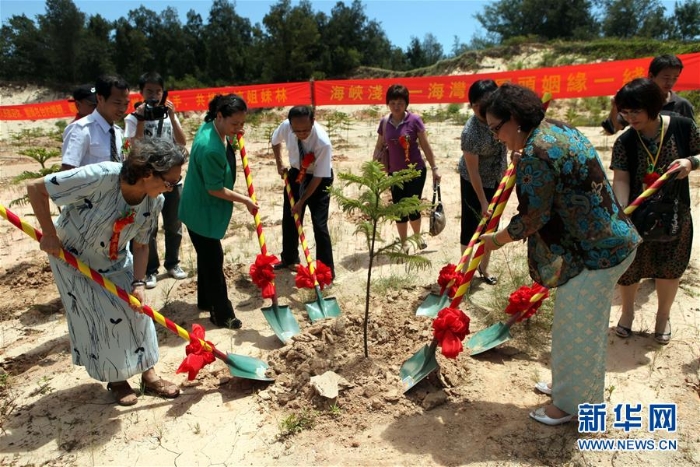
(296, 423)
(393, 282)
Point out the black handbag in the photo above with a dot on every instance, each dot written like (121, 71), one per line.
(659, 218)
(437, 213)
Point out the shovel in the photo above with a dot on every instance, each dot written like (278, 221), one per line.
(416, 368)
(433, 303)
(239, 365)
(493, 336)
(322, 307)
(420, 365)
(279, 317)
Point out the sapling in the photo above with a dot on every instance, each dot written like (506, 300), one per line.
(372, 183)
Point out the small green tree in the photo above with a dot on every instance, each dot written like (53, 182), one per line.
(372, 184)
(41, 155)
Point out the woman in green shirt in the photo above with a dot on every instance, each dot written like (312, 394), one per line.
(207, 201)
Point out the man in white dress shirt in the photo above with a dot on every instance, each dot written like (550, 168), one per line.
(305, 140)
(96, 138)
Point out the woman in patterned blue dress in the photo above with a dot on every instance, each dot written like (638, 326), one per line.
(578, 240)
(105, 206)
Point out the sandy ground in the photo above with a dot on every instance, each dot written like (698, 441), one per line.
(473, 411)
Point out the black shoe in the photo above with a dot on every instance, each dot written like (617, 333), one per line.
(231, 323)
(284, 264)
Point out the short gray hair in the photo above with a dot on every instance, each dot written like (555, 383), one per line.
(151, 155)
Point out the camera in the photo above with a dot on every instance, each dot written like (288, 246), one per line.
(153, 110)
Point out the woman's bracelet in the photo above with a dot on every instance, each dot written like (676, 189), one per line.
(138, 283)
(495, 242)
(694, 162)
(434, 168)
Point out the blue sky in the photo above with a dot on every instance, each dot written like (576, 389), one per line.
(400, 19)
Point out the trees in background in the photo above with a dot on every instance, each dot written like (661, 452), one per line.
(63, 47)
(589, 19)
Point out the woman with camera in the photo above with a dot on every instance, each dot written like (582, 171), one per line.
(640, 155)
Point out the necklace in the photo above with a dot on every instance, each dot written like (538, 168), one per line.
(650, 146)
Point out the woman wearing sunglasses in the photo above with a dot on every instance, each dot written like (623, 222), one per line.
(105, 206)
(578, 240)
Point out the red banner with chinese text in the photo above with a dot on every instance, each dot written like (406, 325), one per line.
(573, 81)
(590, 80)
(260, 95)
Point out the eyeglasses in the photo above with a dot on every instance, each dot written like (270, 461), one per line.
(170, 185)
(497, 128)
(633, 113)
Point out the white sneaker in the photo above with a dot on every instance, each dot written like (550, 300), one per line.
(177, 273)
(151, 281)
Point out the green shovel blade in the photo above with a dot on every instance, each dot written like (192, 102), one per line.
(247, 367)
(420, 365)
(282, 321)
(432, 305)
(322, 308)
(489, 338)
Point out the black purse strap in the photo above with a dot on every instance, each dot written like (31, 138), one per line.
(437, 193)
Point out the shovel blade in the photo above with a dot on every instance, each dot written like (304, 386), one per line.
(322, 308)
(489, 338)
(420, 365)
(432, 305)
(246, 367)
(282, 321)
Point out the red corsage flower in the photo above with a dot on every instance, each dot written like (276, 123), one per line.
(405, 142)
(263, 275)
(527, 299)
(305, 163)
(449, 329)
(304, 279)
(650, 178)
(197, 358)
(117, 228)
(126, 147)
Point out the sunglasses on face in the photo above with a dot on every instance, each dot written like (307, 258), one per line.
(170, 185)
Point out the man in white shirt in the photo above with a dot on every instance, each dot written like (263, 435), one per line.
(311, 173)
(95, 138)
(155, 117)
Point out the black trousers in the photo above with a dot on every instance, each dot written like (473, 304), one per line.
(318, 204)
(410, 188)
(212, 293)
(471, 209)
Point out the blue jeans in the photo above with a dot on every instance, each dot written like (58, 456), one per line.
(172, 226)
